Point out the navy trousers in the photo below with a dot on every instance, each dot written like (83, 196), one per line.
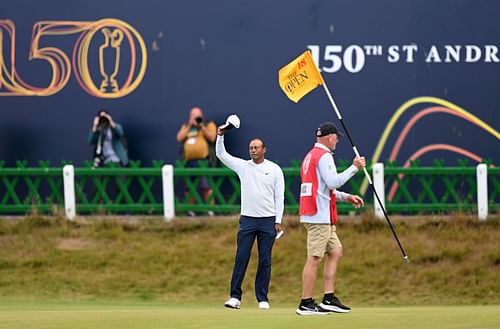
(263, 229)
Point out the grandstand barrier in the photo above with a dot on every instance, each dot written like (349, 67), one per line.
(167, 176)
(174, 190)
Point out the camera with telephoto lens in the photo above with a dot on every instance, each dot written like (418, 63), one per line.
(103, 122)
(198, 120)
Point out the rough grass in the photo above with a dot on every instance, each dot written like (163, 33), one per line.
(454, 260)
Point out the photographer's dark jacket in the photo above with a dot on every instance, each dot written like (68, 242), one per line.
(117, 138)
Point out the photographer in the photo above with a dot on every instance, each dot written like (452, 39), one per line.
(108, 140)
(197, 137)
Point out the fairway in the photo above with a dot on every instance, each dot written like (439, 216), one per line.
(155, 316)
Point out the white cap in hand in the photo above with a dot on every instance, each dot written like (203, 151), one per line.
(232, 121)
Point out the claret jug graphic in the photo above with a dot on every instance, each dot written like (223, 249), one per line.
(109, 59)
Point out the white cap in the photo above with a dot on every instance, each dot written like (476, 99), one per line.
(232, 121)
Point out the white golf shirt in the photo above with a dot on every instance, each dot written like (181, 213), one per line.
(262, 185)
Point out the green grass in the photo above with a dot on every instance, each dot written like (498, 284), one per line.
(454, 261)
(165, 316)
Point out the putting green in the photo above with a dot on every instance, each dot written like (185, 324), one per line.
(18, 315)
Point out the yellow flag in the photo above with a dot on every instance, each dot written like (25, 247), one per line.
(299, 77)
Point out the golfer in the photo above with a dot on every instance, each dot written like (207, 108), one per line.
(318, 213)
(262, 203)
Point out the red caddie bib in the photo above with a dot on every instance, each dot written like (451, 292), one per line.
(309, 186)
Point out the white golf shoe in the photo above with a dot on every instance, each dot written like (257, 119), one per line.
(264, 305)
(232, 303)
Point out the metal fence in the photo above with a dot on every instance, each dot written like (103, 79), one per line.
(140, 190)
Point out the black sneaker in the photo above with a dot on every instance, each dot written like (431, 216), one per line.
(310, 308)
(334, 305)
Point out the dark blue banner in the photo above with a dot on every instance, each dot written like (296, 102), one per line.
(412, 79)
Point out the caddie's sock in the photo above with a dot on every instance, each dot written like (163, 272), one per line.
(328, 296)
(306, 301)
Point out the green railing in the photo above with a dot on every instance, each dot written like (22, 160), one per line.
(138, 190)
(119, 190)
(23, 189)
(438, 188)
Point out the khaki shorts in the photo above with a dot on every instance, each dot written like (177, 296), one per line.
(321, 239)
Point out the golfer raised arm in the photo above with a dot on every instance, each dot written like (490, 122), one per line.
(262, 204)
(318, 213)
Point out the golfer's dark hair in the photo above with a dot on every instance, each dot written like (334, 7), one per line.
(259, 139)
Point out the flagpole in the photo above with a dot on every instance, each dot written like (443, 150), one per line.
(332, 102)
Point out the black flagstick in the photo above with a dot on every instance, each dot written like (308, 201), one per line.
(405, 257)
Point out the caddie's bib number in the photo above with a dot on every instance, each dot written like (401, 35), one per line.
(306, 189)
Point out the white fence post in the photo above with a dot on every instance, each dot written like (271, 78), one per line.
(167, 174)
(482, 191)
(69, 191)
(378, 184)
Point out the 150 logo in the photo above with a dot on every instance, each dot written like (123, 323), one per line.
(108, 79)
